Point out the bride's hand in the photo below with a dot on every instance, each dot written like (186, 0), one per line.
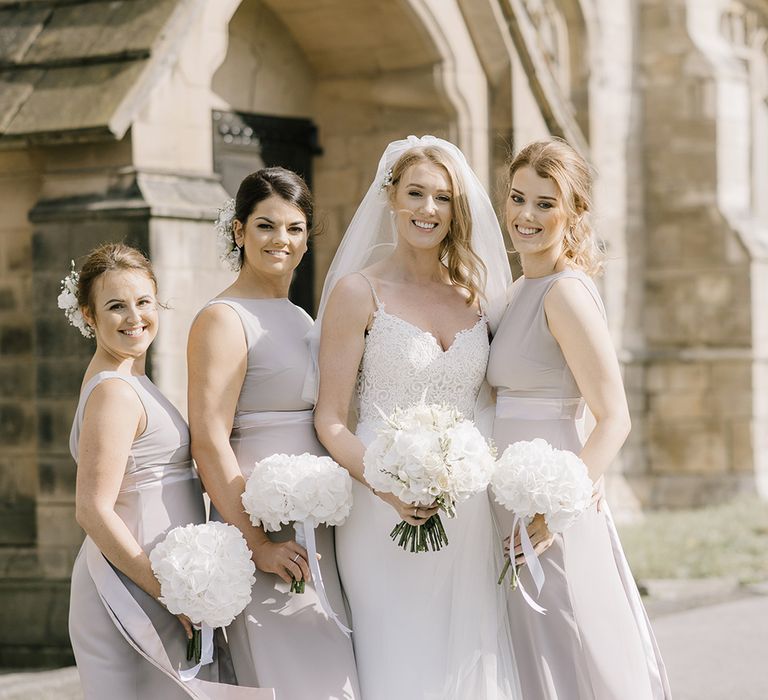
(285, 559)
(540, 536)
(412, 514)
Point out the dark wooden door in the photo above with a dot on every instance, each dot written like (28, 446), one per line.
(243, 143)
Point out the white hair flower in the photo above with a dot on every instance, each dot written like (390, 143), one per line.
(229, 253)
(386, 180)
(67, 301)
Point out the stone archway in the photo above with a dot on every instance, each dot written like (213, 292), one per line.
(365, 75)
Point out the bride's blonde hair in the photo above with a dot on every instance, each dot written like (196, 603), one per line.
(556, 159)
(465, 268)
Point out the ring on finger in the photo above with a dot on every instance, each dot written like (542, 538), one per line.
(416, 512)
(296, 558)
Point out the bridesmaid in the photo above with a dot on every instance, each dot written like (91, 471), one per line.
(551, 354)
(247, 361)
(135, 482)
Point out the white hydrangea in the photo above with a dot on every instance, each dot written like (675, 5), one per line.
(533, 477)
(284, 488)
(205, 572)
(226, 248)
(67, 302)
(428, 454)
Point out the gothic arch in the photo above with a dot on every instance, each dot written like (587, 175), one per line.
(365, 73)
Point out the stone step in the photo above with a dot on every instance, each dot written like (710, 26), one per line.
(56, 684)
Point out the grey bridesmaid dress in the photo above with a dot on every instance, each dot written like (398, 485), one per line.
(595, 641)
(127, 646)
(284, 640)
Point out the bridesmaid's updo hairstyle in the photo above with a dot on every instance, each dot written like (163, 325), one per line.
(109, 257)
(556, 159)
(266, 182)
(465, 268)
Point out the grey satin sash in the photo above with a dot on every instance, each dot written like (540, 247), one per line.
(534, 408)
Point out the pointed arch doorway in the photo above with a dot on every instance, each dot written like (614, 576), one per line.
(244, 142)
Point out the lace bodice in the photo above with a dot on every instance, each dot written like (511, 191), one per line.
(401, 361)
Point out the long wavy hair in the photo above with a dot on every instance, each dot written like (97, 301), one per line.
(557, 159)
(465, 268)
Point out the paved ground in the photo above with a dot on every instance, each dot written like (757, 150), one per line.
(715, 651)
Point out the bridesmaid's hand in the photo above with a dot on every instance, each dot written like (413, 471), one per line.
(598, 494)
(541, 539)
(285, 559)
(186, 623)
(412, 514)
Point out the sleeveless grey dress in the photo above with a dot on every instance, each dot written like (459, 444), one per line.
(127, 646)
(283, 640)
(595, 640)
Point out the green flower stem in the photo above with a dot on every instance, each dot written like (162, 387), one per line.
(297, 586)
(195, 645)
(420, 538)
(513, 579)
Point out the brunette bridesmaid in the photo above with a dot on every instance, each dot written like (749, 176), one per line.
(247, 361)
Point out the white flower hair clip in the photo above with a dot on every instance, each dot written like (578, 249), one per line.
(387, 181)
(67, 301)
(228, 251)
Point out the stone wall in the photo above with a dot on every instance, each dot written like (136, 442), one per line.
(698, 318)
(667, 97)
(19, 188)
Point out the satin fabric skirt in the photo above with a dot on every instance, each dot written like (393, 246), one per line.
(595, 641)
(108, 664)
(284, 640)
(431, 625)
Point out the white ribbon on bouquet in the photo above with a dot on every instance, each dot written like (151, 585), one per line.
(305, 536)
(531, 561)
(206, 656)
(135, 626)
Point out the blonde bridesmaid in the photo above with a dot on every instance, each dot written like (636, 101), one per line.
(552, 355)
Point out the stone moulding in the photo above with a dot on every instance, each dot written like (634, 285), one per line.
(140, 194)
(555, 108)
(57, 86)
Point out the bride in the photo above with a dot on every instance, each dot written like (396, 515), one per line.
(418, 278)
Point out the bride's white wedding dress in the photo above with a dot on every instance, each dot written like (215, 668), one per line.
(431, 625)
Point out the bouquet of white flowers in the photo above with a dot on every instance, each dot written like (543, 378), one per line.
(306, 490)
(206, 573)
(428, 455)
(534, 477)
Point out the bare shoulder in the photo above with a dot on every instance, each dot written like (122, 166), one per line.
(113, 396)
(352, 294)
(569, 295)
(217, 325)
(217, 317)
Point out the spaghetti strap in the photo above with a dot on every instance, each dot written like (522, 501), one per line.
(373, 290)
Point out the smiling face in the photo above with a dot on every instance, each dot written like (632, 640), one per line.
(123, 313)
(274, 237)
(422, 202)
(535, 216)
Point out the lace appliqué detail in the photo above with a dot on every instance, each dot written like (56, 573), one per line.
(401, 361)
